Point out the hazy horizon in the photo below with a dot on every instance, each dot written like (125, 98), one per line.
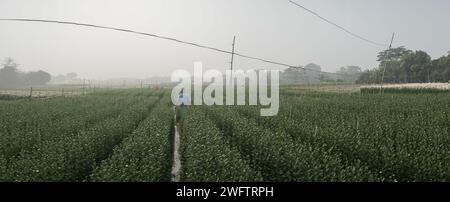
(271, 29)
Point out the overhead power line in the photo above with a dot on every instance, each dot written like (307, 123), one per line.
(117, 29)
(165, 38)
(340, 27)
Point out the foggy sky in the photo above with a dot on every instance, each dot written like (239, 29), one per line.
(271, 29)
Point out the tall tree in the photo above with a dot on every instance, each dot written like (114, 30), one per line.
(9, 75)
(417, 66)
(349, 73)
(313, 72)
(393, 54)
(37, 78)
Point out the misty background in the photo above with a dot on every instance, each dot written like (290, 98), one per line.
(270, 29)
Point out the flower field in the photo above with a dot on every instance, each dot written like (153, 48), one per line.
(127, 136)
(408, 88)
(67, 139)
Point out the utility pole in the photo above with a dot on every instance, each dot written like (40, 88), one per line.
(232, 53)
(232, 61)
(84, 86)
(31, 92)
(384, 70)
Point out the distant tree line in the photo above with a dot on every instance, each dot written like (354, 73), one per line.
(308, 74)
(11, 77)
(312, 74)
(70, 78)
(401, 65)
(349, 74)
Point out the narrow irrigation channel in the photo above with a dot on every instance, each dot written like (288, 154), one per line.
(176, 167)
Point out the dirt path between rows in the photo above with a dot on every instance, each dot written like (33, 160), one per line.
(176, 167)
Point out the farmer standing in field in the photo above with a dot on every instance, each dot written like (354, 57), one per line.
(183, 101)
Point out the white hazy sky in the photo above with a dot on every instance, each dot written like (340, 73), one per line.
(271, 29)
